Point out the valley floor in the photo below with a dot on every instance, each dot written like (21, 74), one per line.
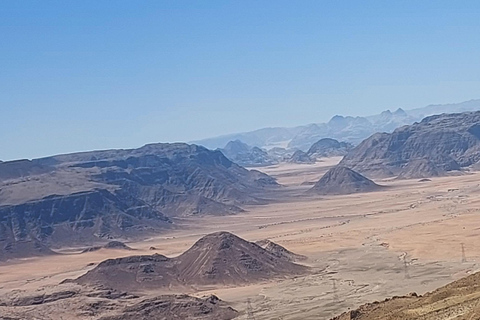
(411, 236)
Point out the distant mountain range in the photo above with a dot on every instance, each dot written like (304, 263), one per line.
(433, 147)
(343, 128)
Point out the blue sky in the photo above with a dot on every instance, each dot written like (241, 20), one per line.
(81, 75)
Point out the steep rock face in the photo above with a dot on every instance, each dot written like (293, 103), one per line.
(342, 180)
(217, 259)
(329, 148)
(245, 155)
(436, 145)
(73, 198)
(79, 217)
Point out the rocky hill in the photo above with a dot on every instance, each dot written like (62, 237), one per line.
(459, 300)
(327, 147)
(245, 155)
(342, 180)
(86, 197)
(300, 157)
(432, 147)
(217, 259)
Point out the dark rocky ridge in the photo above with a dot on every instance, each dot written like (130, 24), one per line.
(435, 146)
(114, 194)
(342, 180)
(217, 259)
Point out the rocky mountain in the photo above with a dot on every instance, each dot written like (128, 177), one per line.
(300, 157)
(342, 180)
(90, 196)
(343, 128)
(432, 147)
(217, 259)
(327, 147)
(244, 155)
(457, 300)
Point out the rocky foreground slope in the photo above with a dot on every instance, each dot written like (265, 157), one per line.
(459, 300)
(217, 259)
(433, 147)
(86, 197)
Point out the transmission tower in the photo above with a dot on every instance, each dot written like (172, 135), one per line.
(250, 315)
(464, 257)
(405, 264)
(335, 295)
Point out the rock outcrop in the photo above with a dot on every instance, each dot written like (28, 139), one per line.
(342, 180)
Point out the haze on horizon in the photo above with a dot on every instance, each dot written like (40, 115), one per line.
(87, 75)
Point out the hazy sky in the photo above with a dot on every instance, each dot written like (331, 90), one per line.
(80, 75)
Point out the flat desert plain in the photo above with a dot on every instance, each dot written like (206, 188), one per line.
(410, 236)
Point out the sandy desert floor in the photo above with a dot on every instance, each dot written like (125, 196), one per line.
(363, 247)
